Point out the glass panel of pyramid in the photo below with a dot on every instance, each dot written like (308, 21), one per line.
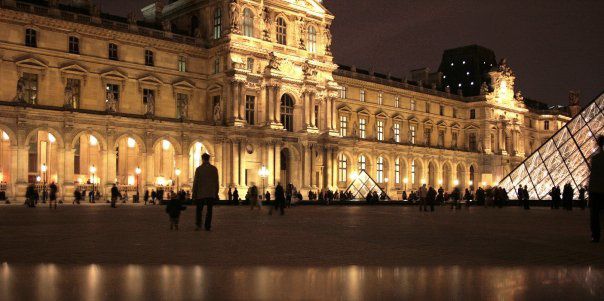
(362, 185)
(562, 159)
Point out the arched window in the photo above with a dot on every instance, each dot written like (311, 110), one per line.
(248, 22)
(287, 112)
(217, 23)
(413, 172)
(342, 168)
(380, 170)
(281, 31)
(312, 39)
(362, 163)
(397, 171)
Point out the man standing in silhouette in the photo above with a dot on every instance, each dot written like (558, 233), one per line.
(596, 190)
(205, 191)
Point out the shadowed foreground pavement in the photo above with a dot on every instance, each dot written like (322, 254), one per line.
(311, 253)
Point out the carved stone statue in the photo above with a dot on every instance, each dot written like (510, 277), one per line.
(110, 103)
(273, 61)
(302, 26)
(484, 88)
(69, 99)
(308, 69)
(150, 105)
(504, 68)
(217, 113)
(328, 39)
(354, 129)
(574, 98)
(183, 108)
(266, 20)
(518, 96)
(234, 15)
(166, 25)
(131, 18)
(20, 97)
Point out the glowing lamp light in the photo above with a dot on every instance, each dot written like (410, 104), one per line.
(80, 180)
(484, 184)
(177, 172)
(92, 169)
(166, 144)
(44, 168)
(93, 141)
(405, 180)
(496, 184)
(160, 181)
(471, 183)
(51, 138)
(137, 170)
(456, 182)
(38, 179)
(131, 180)
(440, 182)
(354, 176)
(5, 136)
(131, 142)
(1, 176)
(263, 172)
(386, 180)
(423, 181)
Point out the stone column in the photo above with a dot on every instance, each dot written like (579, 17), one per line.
(307, 113)
(501, 139)
(235, 162)
(110, 169)
(242, 100)
(307, 176)
(14, 171)
(235, 99)
(148, 171)
(270, 105)
(68, 181)
(313, 166)
(20, 175)
(270, 159)
(277, 102)
(334, 116)
(278, 163)
(242, 166)
(312, 110)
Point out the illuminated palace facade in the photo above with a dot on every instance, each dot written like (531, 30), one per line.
(86, 96)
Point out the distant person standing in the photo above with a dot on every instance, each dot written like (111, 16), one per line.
(567, 197)
(205, 191)
(230, 195)
(254, 202)
(279, 200)
(53, 195)
(582, 197)
(115, 194)
(596, 190)
(423, 194)
(236, 196)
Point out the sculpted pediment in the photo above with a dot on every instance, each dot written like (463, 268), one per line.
(308, 5)
(289, 69)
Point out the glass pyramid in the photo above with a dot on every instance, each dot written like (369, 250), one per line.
(362, 185)
(562, 159)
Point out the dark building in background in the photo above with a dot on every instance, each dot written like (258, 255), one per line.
(466, 68)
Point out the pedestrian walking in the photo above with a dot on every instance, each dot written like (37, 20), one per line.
(582, 197)
(236, 196)
(205, 191)
(253, 197)
(567, 197)
(173, 209)
(279, 200)
(146, 197)
(431, 198)
(53, 195)
(115, 194)
(423, 194)
(596, 190)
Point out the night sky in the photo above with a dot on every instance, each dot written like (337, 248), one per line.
(552, 45)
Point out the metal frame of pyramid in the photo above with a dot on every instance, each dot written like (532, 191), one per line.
(362, 185)
(563, 158)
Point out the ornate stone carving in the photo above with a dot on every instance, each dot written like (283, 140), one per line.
(69, 97)
(20, 97)
(234, 14)
(110, 103)
(328, 39)
(166, 25)
(308, 69)
(131, 18)
(574, 98)
(217, 113)
(484, 88)
(273, 61)
(302, 26)
(267, 23)
(183, 108)
(504, 68)
(150, 105)
(518, 96)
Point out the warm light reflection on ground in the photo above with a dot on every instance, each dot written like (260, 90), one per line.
(171, 282)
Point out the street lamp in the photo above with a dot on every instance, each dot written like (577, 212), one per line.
(263, 173)
(456, 182)
(440, 182)
(93, 171)
(44, 169)
(137, 171)
(177, 173)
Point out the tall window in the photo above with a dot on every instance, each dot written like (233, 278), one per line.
(216, 65)
(115, 90)
(113, 52)
(77, 153)
(472, 114)
(441, 138)
(397, 132)
(362, 128)
(316, 116)
(427, 136)
(381, 98)
(312, 39)
(362, 163)
(362, 98)
(472, 141)
(380, 130)
(217, 23)
(75, 86)
(412, 133)
(454, 139)
(454, 112)
(181, 99)
(148, 95)
(287, 112)
(342, 168)
(149, 59)
(248, 23)
(31, 37)
(427, 107)
(380, 170)
(343, 92)
(343, 126)
(546, 125)
(281, 31)
(441, 110)
(250, 64)
(413, 172)
(182, 63)
(250, 105)
(397, 102)
(397, 171)
(412, 105)
(74, 45)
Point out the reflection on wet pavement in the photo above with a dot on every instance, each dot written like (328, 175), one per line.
(169, 282)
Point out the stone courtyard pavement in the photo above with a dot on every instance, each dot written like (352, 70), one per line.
(311, 253)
